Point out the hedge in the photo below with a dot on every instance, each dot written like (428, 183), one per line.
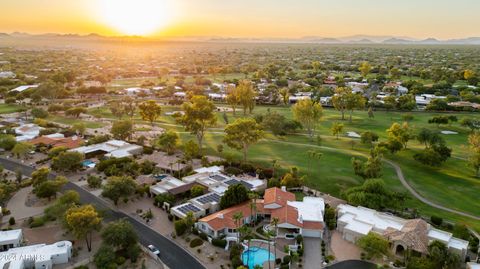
(196, 242)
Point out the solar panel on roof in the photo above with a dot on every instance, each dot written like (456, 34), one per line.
(188, 208)
(232, 182)
(246, 184)
(212, 197)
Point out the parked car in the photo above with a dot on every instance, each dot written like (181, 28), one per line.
(154, 250)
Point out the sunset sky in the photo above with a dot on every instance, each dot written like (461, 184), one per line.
(441, 19)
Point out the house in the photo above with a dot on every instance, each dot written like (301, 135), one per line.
(36, 256)
(425, 99)
(57, 140)
(7, 74)
(112, 148)
(23, 88)
(416, 234)
(10, 239)
(27, 132)
(135, 91)
(294, 217)
(166, 184)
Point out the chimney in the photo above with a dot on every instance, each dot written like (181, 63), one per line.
(284, 188)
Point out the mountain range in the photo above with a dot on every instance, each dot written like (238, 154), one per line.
(354, 39)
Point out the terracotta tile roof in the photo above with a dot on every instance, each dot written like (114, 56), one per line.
(414, 234)
(278, 196)
(224, 218)
(287, 214)
(67, 142)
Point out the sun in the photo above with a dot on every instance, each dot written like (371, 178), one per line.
(136, 17)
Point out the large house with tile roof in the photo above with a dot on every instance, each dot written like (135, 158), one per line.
(415, 234)
(294, 217)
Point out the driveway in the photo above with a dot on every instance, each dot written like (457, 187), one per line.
(312, 253)
(172, 255)
(19, 210)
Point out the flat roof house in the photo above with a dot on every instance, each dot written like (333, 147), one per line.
(36, 256)
(416, 234)
(112, 148)
(27, 132)
(10, 239)
(166, 184)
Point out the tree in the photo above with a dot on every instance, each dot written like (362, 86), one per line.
(472, 124)
(21, 149)
(234, 195)
(401, 133)
(369, 137)
(83, 221)
(374, 194)
(439, 120)
(49, 188)
(68, 161)
(365, 69)
(330, 217)
(168, 141)
(116, 108)
(233, 98)
(284, 94)
(340, 99)
(374, 245)
(337, 129)
(79, 128)
(40, 175)
(122, 129)
(94, 182)
(406, 102)
(119, 234)
(474, 141)
(199, 115)
(119, 187)
(354, 101)
(150, 111)
(372, 168)
(196, 191)
(309, 114)
(389, 102)
(241, 134)
(39, 113)
(237, 218)
(246, 96)
(7, 142)
(129, 106)
(190, 150)
(292, 179)
(105, 257)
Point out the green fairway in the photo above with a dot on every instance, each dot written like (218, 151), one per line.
(71, 121)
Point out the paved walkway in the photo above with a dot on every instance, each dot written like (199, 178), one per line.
(19, 210)
(312, 253)
(342, 249)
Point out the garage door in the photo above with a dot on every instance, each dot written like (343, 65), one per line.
(312, 233)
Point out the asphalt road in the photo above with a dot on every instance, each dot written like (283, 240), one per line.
(171, 254)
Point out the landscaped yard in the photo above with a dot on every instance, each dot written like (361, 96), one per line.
(9, 108)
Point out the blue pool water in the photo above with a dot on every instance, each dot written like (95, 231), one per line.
(160, 177)
(86, 163)
(257, 257)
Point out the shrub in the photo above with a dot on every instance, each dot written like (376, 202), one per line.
(94, 182)
(233, 171)
(436, 220)
(133, 252)
(37, 222)
(120, 260)
(180, 227)
(278, 261)
(170, 217)
(221, 243)
(287, 259)
(204, 236)
(196, 242)
(11, 221)
(236, 261)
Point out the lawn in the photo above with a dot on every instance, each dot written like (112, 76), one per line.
(9, 108)
(71, 121)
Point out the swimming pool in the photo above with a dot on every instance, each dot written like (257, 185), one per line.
(257, 257)
(88, 163)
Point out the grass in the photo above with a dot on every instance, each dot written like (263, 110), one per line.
(451, 185)
(9, 108)
(71, 121)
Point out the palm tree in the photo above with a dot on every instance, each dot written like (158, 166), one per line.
(313, 155)
(253, 207)
(275, 224)
(237, 217)
(274, 165)
(269, 236)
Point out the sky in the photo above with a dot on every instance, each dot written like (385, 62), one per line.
(442, 19)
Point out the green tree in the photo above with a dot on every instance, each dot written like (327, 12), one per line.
(54, 152)
(119, 234)
(79, 128)
(234, 195)
(374, 194)
(105, 257)
(372, 168)
(122, 129)
(39, 113)
(241, 134)
(337, 129)
(474, 141)
(309, 114)
(369, 137)
(75, 111)
(168, 141)
(246, 96)
(68, 161)
(340, 99)
(150, 111)
(94, 182)
(365, 69)
(190, 150)
(199, 115)
(401, 133)
(21, 149)
(233, 98)
(40, 175)
(284, 94)
(83, 221)
(354, 101)
(49, 188)
(7, 142)
(119, 187)
(196, 191)
(374, 245)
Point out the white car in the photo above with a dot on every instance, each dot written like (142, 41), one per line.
(154, 250)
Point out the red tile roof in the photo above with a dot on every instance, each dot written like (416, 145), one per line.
(278, 196)
(68, 142)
